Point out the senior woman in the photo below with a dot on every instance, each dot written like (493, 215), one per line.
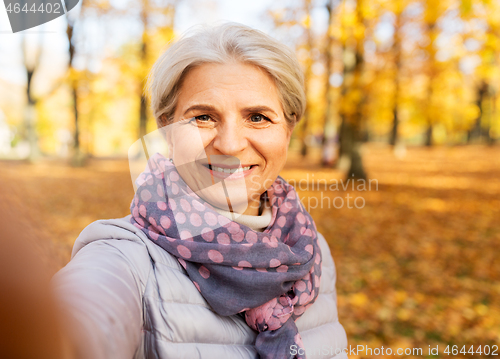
(218, 258)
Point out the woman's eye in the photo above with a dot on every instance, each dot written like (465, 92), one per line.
(203, 118)
(258, 118)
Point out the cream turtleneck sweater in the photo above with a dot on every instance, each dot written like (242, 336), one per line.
(257, 223)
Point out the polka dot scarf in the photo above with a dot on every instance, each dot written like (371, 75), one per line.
(271, 276)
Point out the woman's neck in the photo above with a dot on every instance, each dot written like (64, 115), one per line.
(254, 208)
(257, 222)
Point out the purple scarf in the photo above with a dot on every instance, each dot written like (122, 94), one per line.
(271, 276)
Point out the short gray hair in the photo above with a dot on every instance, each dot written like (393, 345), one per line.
(223, 44)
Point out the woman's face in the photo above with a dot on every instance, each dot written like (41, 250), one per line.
(229, 137)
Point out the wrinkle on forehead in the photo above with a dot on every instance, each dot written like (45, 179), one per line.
(235, 88)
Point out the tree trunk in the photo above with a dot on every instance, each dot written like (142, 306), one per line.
(328, 157)
(476, 132)
(395, 125)
(356, 169)
(352, 119)
(430, 110)
(30, 120)
(308, 74)
(78, 158)
(493, 111)
(349, 151)
(345, 138)
(143, 114)
(430, 122)
(143, 120)
(397, 63)
(29, 134)
(428, 135)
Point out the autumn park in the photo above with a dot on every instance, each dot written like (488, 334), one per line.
(397, 158)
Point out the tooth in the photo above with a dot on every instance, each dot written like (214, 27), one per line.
(228, 170)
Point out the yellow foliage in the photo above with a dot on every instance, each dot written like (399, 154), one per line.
(307, 21)
(359, 299)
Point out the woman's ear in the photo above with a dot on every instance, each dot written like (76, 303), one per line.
(163, 119)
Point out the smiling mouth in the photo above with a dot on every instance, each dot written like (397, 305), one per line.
(228, 170)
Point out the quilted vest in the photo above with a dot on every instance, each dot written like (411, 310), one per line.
(135, 300)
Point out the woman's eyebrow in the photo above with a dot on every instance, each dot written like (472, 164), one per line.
(201, 107)
(210, 108)
(259, 109)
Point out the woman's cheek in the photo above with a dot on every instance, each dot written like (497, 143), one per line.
(207, 137)
(277, 148)
(274, 139)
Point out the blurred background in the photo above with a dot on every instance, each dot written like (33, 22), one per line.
(404, 93)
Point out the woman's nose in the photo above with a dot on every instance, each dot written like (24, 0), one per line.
(230, 138)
